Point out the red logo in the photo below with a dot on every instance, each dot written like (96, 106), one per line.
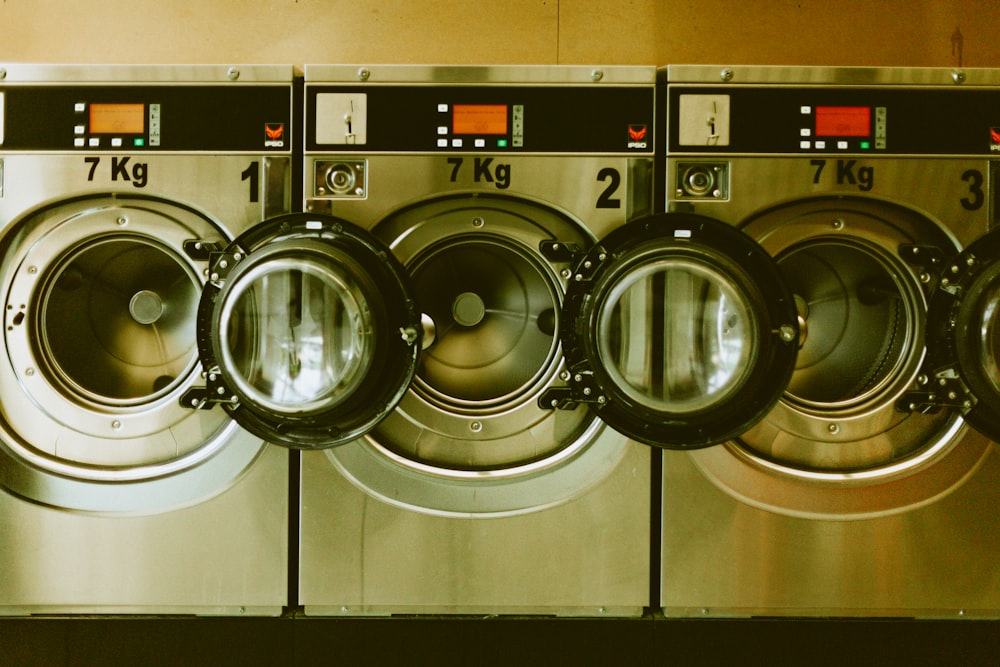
(995, 136)
(274, 134)
(637, 132)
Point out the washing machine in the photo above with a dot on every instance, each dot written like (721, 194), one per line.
(871, 486)
(116, 184)
(404, 334)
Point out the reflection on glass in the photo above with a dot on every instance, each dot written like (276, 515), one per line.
(989, 334)
(677, 335)
(299, 338)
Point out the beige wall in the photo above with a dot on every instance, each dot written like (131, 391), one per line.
(846, 32)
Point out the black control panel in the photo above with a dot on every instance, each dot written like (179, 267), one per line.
(146, 118)
(494, 119)
(813, 119)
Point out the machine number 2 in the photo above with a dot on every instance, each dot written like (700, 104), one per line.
(607, 198)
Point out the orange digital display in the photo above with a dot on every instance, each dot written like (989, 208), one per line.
(843, 121)
(479, 119)
(117, 118)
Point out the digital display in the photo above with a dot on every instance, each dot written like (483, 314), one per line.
(843, 121)
(479, 119)
(117, 118)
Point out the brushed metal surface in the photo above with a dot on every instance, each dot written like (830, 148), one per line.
(484, 75)
(798, 75)
(225, 555)
(723, 557)
(586, 557)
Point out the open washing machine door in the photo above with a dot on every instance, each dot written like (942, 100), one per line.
(679, 331)
(963, 367)
(306, 330)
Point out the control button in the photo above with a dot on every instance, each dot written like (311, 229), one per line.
(80, 107)
(442, 143)
(865, 145)
(842, 145)
(804, 144)
(805, 132)
(79, 129)
(456, 143)
(79, 142)
(442, 108)
(501, 143)
(94, 142)
(138, 142)
(442, 129)
(480, 143)
(116, 142)
(806, 110)
(821, 145)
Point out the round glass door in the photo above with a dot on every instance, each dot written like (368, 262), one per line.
(307, 331)
(964, 335)
(679, 331)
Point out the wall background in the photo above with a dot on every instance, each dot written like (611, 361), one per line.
(644, 32)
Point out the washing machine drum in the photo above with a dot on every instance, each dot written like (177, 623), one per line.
(679, 331)
(307, 332)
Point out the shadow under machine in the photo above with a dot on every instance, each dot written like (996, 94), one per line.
(404, 330)
(863, 479)
(116, 182)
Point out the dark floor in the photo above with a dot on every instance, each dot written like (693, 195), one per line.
(494, 641)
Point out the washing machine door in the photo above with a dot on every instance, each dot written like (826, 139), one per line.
(679, 331)
(307, 331)
(963, 369)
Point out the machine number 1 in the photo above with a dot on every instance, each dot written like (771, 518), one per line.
(252, 174)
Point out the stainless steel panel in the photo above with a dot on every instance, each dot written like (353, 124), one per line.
(15, 73)
(227, 555)
(587, 557)
(481, 75)
(932, 187)
(570, 185)
(796, 75)
(722, 557)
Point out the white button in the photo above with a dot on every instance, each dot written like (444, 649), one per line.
(443, 108)
(842, 145)
(807, 110)
(116, 142)
(78, 142)
(805, 132)
(821, 145)
(442, 129)
(456, 143)
(93, 142)
(480, 143)
(80, 107)
(79, 129)
(804, 144)
(442, 143)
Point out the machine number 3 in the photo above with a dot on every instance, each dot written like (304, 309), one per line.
(976, 197)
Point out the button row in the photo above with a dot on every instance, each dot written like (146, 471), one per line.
(459, 143)
(841, 145)
(113, 142)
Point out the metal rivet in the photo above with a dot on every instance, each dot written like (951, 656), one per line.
(116, 425)
(29, 371)
(3, 73)
(726, 74)
(565, 273)
(958, 76)
(838, 224)
(122, 221)
(233, 73)
(596, 75)
(32, 270)
(833, 428)
(476, 427)
(364, 74)
(478, 222)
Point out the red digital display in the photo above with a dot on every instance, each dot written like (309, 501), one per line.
(843, 121)
(479, 119)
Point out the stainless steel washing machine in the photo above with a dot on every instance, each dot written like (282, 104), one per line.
(871, 487)
(412, 316)
(115, 183)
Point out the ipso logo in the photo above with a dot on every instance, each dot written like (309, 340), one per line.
(637, 136)
(995, 139)
(274, 135)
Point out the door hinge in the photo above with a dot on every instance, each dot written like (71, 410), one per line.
(581, 389)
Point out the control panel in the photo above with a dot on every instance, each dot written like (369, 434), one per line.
(480, 118)
(814, 119)
(146, 118)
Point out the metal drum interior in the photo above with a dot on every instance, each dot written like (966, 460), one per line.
(469, 436)
(835, 445)
(100, 302)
